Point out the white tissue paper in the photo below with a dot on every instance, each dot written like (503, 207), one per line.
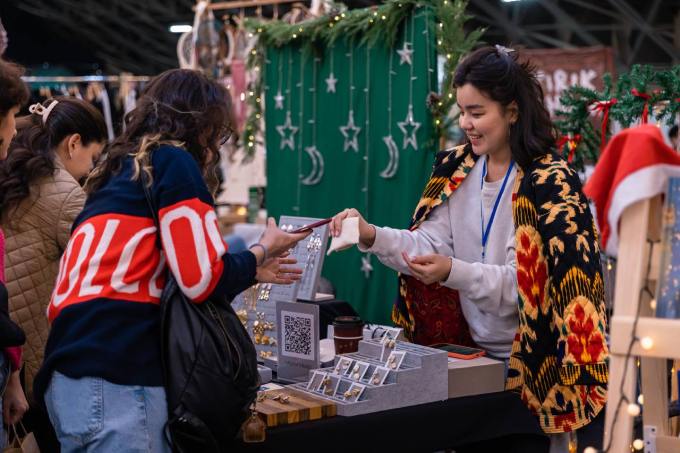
(348, 237)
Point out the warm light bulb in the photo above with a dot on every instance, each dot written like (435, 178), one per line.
(647, 343)
(641, 399)
(638, 444)
(652, 304)
(590, 450)
(633, 410)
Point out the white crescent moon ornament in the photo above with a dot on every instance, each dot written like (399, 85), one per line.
(316, 175)
(393, 164)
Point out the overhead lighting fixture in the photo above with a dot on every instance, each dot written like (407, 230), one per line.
(184, 28)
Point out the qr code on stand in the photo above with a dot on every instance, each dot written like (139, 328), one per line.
(298, 334)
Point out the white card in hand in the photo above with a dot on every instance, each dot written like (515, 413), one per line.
(348, 237)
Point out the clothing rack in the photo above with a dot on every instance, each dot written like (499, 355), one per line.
(248, 4)
(90, 78)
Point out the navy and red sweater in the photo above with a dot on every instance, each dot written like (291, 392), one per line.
(104, 311)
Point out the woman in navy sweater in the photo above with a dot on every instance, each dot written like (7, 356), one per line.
(101, 379)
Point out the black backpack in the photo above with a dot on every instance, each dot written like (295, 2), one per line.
(209, 367)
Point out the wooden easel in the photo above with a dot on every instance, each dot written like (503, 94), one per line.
(640, 223)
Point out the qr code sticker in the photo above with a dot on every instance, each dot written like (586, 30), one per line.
(298, 334)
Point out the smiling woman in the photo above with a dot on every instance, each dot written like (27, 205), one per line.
(478, 243)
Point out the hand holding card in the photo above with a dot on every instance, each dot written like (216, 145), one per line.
(348, 237)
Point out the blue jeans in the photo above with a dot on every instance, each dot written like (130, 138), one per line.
(91, 414)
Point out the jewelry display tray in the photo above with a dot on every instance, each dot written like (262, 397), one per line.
(422, 378)
(242, 304)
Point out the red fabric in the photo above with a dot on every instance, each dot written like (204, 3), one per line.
(645, 109)
(2, 256)
(14, 356)
(437, 315)
(629, 151)
(604, 107)
(570, 140)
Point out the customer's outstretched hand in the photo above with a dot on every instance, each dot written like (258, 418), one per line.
(279, 271)
(277, 241)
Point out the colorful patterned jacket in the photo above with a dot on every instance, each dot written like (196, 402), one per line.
(559, 356)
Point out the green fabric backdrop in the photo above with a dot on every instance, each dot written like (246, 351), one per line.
(388, 201)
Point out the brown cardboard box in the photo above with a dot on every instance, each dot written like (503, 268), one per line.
(475, 376)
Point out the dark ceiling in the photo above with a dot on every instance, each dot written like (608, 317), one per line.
(87, 36)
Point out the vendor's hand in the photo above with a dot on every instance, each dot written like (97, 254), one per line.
(428, 268)
(366, 230)
(278, 271)
(14, 404)
(278, 241)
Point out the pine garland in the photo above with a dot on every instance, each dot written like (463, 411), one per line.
(639, 94)
(371, 26)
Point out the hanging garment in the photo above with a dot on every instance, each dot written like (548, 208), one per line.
(103, 97)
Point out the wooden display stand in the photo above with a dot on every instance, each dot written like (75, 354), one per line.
(640, 223)
(300, 407)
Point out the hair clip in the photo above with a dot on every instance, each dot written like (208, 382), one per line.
(43, 111)
(502, 50)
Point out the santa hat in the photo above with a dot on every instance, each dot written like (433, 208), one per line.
(635, 165)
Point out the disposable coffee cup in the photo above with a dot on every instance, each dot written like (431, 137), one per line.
(347, 332)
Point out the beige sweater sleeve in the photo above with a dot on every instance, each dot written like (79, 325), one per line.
(70, 208)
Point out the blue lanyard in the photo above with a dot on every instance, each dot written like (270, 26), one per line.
(485, 232)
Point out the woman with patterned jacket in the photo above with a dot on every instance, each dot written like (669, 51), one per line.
(504, 227)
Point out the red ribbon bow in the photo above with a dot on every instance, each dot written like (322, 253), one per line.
(645, 109)
(604, 106)
(572, 142)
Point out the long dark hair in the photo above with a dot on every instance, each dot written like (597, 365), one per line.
(499, 74)
(32, 152)
(180, 107)
(13, 90)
